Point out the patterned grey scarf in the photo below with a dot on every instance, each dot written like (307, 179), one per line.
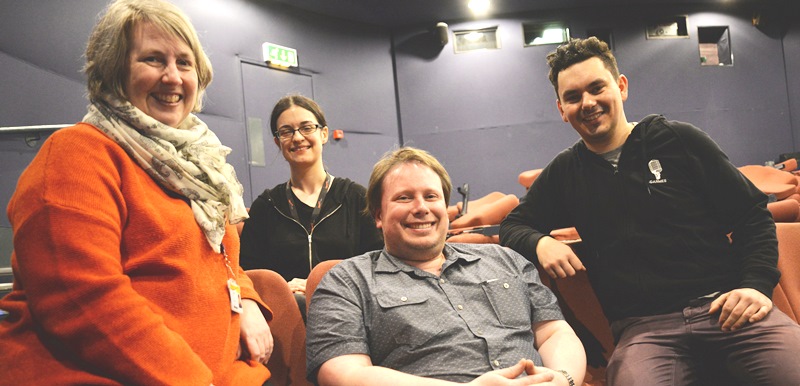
(188, 160)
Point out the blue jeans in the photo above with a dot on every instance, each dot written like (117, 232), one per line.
(689, 348)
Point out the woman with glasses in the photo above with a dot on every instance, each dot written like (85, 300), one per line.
(312, 217)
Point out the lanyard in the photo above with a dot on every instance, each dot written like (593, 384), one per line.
(317, 208)
(234, 291)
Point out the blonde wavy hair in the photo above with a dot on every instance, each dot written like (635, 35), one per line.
(111, 39)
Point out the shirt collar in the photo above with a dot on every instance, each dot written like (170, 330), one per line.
(388, 263)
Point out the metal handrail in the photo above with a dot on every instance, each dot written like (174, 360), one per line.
(36, 128)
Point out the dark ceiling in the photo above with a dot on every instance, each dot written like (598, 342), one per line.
(398, 13)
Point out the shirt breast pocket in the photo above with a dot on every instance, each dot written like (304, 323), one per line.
(409, 319)
(509, 300)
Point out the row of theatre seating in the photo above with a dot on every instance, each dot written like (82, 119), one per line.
(782, 184)
(578, 301)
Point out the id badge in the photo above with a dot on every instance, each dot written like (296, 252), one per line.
(236, 296)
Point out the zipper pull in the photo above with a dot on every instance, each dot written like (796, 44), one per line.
(310, 255)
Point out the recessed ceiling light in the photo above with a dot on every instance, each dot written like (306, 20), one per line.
(479, 7)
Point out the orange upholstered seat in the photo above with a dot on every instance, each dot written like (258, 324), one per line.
(288, 360)
(788, 165)
(787, 294)
(527, 177)
(454, 210)
(314, 278)
(771, 181)
(488, 213)
(787, 210)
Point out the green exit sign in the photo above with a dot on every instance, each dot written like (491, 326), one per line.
(279, 55)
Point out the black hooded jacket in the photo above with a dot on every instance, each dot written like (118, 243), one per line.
(654, 229)
(272, 239)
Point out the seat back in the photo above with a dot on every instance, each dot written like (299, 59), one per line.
(488, 213)
(787, 210)
(454, 210)
(787, 293)
(527, 177)
(315, 277)
(770, 180)
(288, 361)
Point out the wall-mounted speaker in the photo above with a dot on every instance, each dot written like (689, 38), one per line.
(442, 33)
(772, 18)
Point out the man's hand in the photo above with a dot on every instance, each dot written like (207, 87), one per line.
(255, 335)
(557, 259)
(297, 285)
(740, 306)
(508, 375)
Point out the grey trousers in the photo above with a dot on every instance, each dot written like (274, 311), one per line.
(689, 348)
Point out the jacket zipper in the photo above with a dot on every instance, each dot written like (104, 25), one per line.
(310, 256)
(310, 262)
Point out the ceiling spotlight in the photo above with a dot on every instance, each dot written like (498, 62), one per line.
(479, 7)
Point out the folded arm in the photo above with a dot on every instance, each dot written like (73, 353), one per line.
(357, 370)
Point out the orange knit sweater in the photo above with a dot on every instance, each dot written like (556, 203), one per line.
(114, 282)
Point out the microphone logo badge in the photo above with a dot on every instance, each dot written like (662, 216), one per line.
(655, 167)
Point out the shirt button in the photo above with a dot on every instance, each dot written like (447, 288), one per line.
(442, 281)
(403, 298)
(460, 307)
(479, 331)
(505, 285)
(496, 363)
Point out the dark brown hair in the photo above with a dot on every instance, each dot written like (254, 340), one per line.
(287, 102)
(576, 51)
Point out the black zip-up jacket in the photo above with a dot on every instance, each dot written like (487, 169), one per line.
(655, 233)
(272, 239)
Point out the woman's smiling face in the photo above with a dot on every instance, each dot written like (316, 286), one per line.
(162, 78)
(300, 149)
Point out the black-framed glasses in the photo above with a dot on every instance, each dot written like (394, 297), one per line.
(285, 133)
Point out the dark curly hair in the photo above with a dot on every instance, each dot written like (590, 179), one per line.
(576, 51)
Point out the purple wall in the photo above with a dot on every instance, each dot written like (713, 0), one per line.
(41, 47)
(490, 115)
(487, 115)
(791, 49)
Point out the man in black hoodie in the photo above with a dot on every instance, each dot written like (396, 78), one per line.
(654, 203)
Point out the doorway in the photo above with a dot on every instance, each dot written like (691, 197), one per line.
(263, 86)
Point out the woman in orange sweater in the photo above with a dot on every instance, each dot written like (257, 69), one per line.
(126, 265)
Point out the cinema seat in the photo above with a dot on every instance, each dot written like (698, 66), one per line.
(789, 165)
(481, 222)
(486, 212)
(787, 293)
(288, 361)
(787, 210)
(454, 210)
(315, 276)
(772, 181)
(527, 177)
